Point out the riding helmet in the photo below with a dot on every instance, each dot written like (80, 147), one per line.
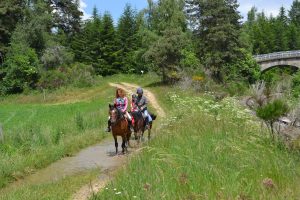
(139, 91)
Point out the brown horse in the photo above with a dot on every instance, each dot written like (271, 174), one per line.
(140, 125)
(119, 126)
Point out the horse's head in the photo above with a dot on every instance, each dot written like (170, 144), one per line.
(113, 113)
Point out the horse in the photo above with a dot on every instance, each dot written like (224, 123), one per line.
(119, 127)
(140, 125)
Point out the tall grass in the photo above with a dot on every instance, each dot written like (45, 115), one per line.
(208, 150)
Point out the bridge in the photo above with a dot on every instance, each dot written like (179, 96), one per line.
(285, 58)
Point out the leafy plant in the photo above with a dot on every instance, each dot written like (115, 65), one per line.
(271, 112)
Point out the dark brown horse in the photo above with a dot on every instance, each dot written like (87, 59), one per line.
(140, 125)
(119, 127)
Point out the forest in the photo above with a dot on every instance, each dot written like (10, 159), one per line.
(45, 44)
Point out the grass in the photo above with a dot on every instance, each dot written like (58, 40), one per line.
(208, 150)
(60, 190)
(42, 128)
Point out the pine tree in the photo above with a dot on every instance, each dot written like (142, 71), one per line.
(127, 39)
(293, 36)
(218, 33)
(108, 48)
(67, 15)
(87, 44)
(11, 12)
(294, 13)
(168, 37)
(280, 30)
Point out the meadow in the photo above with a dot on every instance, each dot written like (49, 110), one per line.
(41, 128)
(207, 150)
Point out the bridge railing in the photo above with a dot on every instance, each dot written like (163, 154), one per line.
(277, 55)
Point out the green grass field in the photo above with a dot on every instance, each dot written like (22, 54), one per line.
(207, 150)
(202, 150)
(42, 128)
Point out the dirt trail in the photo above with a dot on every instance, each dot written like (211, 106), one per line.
(107, 173)
(131, 88)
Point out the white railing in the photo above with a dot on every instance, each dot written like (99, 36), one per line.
(277, 55)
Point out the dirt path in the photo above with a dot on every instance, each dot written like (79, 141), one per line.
(107, 173)
(131, 88)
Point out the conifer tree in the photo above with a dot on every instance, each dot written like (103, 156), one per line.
(217, 29)
(127, 39)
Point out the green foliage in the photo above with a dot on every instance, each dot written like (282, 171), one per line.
(67, 16)
(272, 34)
(217, 31)
(11, 12)
(244, 69)
(296, 85)
(127, 40)
(20, 70)
(81, 75)
(277, 74)
(52, 79)
(165, 53)
(294, 13)
(56, 56)
(78, 75)
(272, 111)
(169, 38)
(189, 60)
(229, 166)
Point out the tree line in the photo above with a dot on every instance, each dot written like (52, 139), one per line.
(46, 44)
(272, 34)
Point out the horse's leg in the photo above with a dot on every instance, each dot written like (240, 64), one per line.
(128, 139)
(139, 133)
(142, 136)
(149, 133)
(123, 144)
(116, 143)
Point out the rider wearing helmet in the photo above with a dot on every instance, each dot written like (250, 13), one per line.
(141, 103)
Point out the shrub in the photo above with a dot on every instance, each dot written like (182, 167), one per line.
(296, 85)
(52, 79)
(20, 70)
(245, 69)
(56, 56)
(272, 112)
(81, 75)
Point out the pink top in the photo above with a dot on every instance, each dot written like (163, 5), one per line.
(121, 103)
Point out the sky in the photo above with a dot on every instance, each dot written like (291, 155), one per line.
(116, 7)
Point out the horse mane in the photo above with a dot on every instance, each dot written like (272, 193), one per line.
(137, 115)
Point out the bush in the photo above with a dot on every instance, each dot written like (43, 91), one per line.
(52, 79)
(236, 88)
(81, 75)
(78, 75)
(20, 70)
(56, 56)
(296, 85)
(272, 112)
(245, 69)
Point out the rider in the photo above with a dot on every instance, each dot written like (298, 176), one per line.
(134, 107)
(141, 103)
(121, 103)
